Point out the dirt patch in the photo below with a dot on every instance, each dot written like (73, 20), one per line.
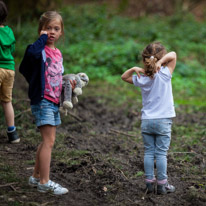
(104, 163)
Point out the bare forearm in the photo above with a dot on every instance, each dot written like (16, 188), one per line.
(168, 58)
(127, 74)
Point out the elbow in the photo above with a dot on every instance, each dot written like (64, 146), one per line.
(123, 78)
(174, 55)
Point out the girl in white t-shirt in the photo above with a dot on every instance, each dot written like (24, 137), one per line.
(157, 111)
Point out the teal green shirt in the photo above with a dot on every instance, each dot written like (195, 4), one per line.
(7, 47)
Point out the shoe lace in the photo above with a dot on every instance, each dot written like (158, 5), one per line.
(54, 185)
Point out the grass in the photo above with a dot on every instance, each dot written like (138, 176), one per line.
(139, 174)
(7, 174)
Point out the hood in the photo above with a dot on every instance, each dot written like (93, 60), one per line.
(6, 36)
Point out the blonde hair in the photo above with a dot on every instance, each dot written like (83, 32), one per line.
(150, 55)
(47, 17)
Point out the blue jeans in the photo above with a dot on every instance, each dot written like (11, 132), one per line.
(156, 135)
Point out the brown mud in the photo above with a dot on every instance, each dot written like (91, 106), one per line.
(103, 161)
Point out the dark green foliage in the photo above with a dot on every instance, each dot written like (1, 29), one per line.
(104, 45)
(22, 10)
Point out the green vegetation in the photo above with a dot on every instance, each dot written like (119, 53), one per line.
(139, 174)
(104, 45)
(7, 174)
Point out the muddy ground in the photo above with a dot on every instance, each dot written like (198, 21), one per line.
(98, 156)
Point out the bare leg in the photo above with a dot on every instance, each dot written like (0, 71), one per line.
(9, 113)
(36, 168)
(43, 156)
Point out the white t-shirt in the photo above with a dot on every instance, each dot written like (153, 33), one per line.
(157, 98)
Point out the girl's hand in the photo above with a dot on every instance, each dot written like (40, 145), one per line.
(43, 32)
(138, 70)
(73, 84)
(127, 76)
(158, 65)
(169, 59)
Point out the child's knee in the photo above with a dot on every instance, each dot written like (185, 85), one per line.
(49, 143)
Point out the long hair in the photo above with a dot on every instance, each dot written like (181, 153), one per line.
(47, 17)
(150, 55)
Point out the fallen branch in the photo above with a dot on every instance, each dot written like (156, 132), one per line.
(21, 100)
(8, 152)
(30, 168)
(133, 203)
(34, 203)
(182, 153)
(25, 111)
(120, 132)
(12, 187)
(75, 116)
(46, 203)
(123, 174)
(9, 184)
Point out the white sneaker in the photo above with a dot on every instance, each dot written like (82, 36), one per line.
(53, 187)
(33, 181)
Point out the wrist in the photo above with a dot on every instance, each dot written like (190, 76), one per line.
(133, 69)
(160, 62)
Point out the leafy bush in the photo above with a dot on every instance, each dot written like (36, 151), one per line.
(94, 57)
(104, 45)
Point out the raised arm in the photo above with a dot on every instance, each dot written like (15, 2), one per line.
(169, 59)
(36, 48)
(127, 75)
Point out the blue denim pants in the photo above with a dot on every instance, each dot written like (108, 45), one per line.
(156, 135)
(46, 113)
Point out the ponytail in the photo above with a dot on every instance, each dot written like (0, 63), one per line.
(151, 54)
(150, 66)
